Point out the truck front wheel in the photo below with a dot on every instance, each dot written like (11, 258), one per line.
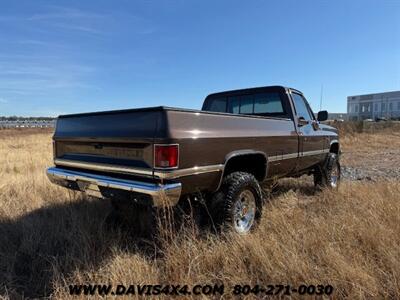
(329, 174)
(237, 204)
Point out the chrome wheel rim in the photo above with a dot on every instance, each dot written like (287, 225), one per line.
(335, 176)
(244, 212)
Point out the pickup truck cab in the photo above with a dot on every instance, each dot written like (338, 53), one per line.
(163, 156)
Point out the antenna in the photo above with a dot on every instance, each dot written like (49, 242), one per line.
(320, 99)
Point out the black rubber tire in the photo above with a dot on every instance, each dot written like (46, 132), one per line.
(222, 203)
(322, 174)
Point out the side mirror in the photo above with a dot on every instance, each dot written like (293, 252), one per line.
(322, 116)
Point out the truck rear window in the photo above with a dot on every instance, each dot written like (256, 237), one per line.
(218, 105)
(263, 104)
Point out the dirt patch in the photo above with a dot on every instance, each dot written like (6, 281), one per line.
(369, 156)
(375, 165)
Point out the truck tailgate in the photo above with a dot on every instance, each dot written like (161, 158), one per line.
(122, 139)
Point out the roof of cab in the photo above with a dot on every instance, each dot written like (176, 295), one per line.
(253, 89)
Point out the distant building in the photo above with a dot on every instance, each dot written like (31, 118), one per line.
(373, 106)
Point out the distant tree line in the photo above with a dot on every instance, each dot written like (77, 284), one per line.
(16, 118)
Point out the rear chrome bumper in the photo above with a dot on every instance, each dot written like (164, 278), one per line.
(92, 184)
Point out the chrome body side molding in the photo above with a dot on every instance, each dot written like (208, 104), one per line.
(188, 171)
(316, 152)
(297, 155)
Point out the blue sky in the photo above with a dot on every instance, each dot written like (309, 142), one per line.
(61, 57)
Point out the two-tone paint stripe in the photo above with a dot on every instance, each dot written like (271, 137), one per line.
(172, 174)
(297, 155)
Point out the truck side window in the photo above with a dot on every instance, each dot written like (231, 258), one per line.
(301, 107)
(233, 105)
(268, 103)
(217, 105)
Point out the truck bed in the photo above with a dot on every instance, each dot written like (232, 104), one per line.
(118, 141)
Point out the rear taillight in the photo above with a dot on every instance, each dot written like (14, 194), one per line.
(166, 156)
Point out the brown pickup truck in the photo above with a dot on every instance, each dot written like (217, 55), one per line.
(162, 156)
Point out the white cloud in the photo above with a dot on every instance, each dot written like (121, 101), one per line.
(64, 18)
(58, 12)
(34, 75)
(86, 29)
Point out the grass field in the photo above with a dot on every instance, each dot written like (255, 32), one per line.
(50, 238)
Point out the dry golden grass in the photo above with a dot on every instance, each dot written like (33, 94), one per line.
(50, 238)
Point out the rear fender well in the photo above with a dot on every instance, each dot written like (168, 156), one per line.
(233, 159)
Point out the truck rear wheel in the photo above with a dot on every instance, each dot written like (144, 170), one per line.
(329, 174)
(238, 203)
